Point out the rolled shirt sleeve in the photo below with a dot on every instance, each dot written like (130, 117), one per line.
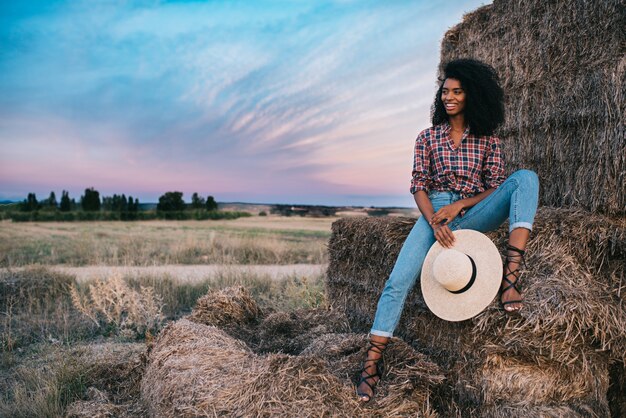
(421, 178)
(493, 169)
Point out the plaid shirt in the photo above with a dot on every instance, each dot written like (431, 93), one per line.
(475, 166)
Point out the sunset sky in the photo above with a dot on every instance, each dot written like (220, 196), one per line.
(313, 102)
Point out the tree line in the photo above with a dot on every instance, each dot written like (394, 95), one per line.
(173, 202)
(90, 201)
(117, 207)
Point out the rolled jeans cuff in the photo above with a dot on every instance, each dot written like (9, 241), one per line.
(381, 333)
(516, 225)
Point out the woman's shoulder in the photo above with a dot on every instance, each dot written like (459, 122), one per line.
(493, 140)
(486, 139)
(487, 143)
(432, 133)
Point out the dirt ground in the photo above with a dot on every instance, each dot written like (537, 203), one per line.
(189, 272)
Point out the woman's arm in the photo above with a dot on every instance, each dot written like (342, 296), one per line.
(446, 214)
(442, 233)
(424, 204)
(420, 177)
(493, 168)
(440, 220)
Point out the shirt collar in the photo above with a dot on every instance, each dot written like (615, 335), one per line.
(447, 128)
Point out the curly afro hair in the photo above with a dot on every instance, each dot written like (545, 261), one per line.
(484, 109)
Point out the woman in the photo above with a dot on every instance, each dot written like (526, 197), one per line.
(458, 183)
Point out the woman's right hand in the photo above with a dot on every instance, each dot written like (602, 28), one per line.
(444, 235)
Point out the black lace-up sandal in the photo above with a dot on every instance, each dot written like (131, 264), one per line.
(511, 278)
(371, 379)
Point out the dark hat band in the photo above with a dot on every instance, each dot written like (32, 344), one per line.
(471, 280)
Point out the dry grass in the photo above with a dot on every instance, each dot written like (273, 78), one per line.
(113, 303)
(189, 273)
(46, 367)
(259, 240)
(52, 380)
(286, 293)
(36, 304)
(43, 390)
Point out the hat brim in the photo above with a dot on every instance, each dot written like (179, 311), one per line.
(462, 306)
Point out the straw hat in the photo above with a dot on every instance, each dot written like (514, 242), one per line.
(460, 282)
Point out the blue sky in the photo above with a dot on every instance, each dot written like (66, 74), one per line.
(314, 102)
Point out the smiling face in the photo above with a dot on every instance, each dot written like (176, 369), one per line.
(453, 97)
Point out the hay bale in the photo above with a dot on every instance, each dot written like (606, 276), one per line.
(199, 370)
(617, 389)
(518, 379)
(292, 332)
(408, 375)
(185, 373)
(562, 65)
(229, 306)
(233, 309)
(572, 324)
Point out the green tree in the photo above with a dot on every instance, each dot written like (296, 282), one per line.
(115, 203)
(211, 204)
(197, 202)
(90, 201)
(133, 205)
(52, 200)
(30, 204)
(171, 201)
(107, 203)
(65, 205)
(123, 204)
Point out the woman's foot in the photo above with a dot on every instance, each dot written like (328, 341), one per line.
(372, 369)
(510, 294)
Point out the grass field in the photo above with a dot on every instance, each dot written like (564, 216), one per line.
(255, 240)
(60, 337)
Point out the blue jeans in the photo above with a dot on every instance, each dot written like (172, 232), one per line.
(515, 199)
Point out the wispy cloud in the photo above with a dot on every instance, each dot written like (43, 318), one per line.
(293, 101)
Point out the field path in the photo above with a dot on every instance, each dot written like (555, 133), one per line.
(190, 272)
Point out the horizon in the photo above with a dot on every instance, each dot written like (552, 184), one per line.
(228, 202)
(286, 102)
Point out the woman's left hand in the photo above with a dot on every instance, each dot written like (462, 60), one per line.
(446, 214)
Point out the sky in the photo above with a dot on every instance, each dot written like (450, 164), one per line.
(298, 102)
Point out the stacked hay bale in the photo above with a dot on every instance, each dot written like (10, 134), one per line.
(563, 65)
(198, 366)
(552, 361)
